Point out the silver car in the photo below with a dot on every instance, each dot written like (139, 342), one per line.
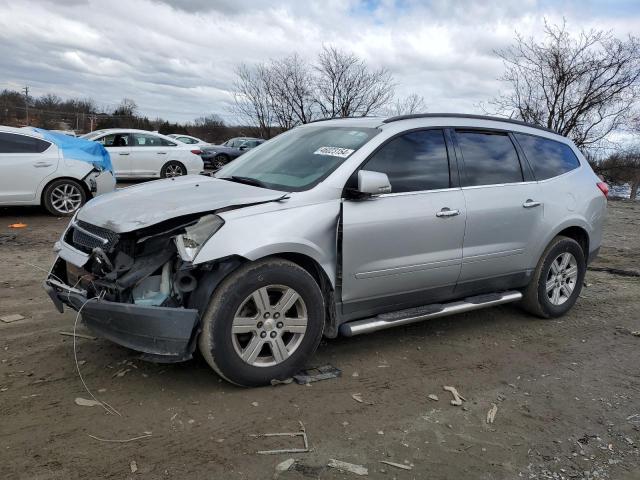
(336, 227)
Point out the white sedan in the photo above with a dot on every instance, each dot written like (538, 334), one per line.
(34, 170)
(143, 154)
(189, 140)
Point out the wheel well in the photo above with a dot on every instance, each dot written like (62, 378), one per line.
(315, 270)
(84, 186)
(580, 235)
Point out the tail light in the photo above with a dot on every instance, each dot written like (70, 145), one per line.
(604, 188)
(196, 152)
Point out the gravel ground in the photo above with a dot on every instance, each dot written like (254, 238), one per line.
(566, 390)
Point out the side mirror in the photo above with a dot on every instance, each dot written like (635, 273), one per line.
(373, 183)
(243, 147)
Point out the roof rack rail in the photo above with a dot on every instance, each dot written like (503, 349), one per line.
(342, 118)
(466, 115)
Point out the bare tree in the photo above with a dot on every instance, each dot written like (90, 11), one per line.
(252, 99)
(127, 108)
(408, 105)
(290, 85)
(582, 86)
(347, 87)
(622, 167)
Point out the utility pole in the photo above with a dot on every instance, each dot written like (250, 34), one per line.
(26, 101)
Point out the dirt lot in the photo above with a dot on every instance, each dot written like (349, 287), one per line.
(567, 390)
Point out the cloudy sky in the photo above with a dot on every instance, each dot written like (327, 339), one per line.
(176, 57)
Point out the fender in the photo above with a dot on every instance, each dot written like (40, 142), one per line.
(262, 230)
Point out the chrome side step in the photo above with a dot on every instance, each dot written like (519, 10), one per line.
(413, 315)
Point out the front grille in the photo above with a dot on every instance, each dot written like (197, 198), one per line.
(86, 237)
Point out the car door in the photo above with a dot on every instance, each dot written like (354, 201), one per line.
(118, 146)
(25, 162)
(404, 248)
(504, 211)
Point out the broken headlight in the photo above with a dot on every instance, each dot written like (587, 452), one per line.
(196, 235)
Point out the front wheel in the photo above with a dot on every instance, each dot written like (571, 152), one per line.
(557, 280)
(220, 161)
(263, 322)
(64, 197)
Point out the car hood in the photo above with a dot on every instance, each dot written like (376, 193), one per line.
(150, 203)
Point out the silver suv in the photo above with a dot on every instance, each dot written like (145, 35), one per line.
(342, 226)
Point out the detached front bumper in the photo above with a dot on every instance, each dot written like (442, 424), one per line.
(166, 334)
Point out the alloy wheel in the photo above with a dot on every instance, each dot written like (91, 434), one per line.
(174, 171)
(66, 198)
(269, 325)
(561, 278)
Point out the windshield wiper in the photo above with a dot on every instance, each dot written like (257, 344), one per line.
(246, 180)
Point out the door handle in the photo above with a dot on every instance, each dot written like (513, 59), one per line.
(123, 153)
(161, 153)
(530, 204)
(42, 164)
(447, 212)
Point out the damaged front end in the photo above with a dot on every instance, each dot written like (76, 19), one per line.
(139, 289)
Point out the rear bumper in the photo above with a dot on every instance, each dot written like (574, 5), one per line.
(166, 334)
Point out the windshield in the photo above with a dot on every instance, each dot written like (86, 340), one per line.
(298, 159)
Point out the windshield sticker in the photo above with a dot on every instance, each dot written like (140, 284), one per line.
(334, 151)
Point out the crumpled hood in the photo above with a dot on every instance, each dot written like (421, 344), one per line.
(149, 203)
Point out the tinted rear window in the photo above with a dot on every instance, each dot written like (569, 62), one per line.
(413, 162)
(489, 158)
(13, 143)
(548, 158)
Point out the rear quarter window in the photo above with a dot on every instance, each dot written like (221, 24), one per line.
(548, 158)
(13, 143)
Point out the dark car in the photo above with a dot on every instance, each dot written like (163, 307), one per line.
(216, 156)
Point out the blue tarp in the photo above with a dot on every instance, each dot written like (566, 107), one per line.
(79, 149)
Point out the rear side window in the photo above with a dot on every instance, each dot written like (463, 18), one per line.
(489, 158)
(548, 158)
(413, 162)
(13, 143)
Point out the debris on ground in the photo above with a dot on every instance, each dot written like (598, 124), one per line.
(14, 317)
(121, 373)
(286, 381)
(491, 414)
(457, 398)
(85, 402)
(126, 440)
(357, 397)
(134, 466)
(284, 466)
(302, 433)
(433, 397)
(18, 225)
(255, 404)
(396, 465)
(325, 372)
(77, 335)
(348, 467)
(6, 238)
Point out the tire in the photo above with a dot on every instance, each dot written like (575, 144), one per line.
(219, 161)
(544, 303)
(173, 169)
(64, 197)
(225, 338)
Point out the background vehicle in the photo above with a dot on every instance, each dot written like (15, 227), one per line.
(36, 169)
(188, 139)
(143, 154)
(349, 226)
(216, 156)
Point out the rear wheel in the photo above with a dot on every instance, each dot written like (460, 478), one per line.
(63, 197)
(262, 323)
(173, 169)
(557, 280)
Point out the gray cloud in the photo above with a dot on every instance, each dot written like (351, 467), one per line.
(176, 57)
